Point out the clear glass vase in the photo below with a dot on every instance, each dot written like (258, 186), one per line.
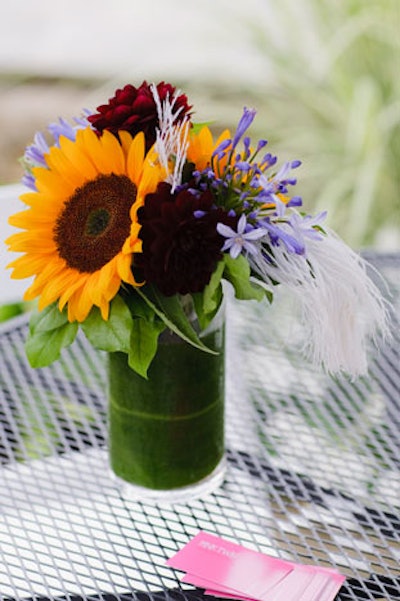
(166, 433)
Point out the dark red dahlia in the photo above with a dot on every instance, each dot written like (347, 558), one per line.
(181, 245)
(134, 110)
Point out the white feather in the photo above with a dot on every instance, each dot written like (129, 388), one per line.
(172, 138)
(341, 307)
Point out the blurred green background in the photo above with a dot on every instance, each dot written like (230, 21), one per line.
(324, 76)
(335, 102)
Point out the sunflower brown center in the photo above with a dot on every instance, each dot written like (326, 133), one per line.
(95, 222)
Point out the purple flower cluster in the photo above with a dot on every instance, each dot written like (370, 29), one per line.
(245, 184)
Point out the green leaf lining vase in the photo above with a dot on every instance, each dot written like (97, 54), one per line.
(166, 433)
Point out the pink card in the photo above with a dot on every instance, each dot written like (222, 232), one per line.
(332, 588)
(210, 588)
(224, 595)
(287, 589)
(293, 586)
(230, 571)
(317, 588)
(208, 584)
(231, 567)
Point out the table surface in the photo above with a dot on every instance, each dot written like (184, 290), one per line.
(313, 468)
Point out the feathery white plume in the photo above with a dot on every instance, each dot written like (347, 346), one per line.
(340, 305)
(172, 137)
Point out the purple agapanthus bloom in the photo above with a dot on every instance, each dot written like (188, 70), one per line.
(294, 232)
(279, 233)
(219, 152)
(305, 227)
(246, 147)
(271, 187)
(295, 201)
(34, 153)
(245, 121)
(29, 181)
(268, 160)
(62, 128)
(242, 239)
(243, 166)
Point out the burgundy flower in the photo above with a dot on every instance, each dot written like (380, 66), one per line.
(134, 110)
(181, 245)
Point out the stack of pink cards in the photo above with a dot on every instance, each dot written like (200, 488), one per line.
(228, 570)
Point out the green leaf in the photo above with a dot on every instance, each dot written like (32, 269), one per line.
(111, 335)
(9, 310)
(268, 294)
(144, 341)
(197, 127)
(48, 319)
(212, 291)
(49, 332)
(259, 283)
(170, 311)
(138, 306)
(209, 300)
(237, 272)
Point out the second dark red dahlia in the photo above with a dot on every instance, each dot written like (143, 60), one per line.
(181, 246)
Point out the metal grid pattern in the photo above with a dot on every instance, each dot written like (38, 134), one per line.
(313, 469)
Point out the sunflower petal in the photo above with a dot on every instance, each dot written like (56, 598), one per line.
(151, 177)
(29, 217)
(46, 276)
(75, 153)
(44, 201)
(104, 307)
(124, 268)
(58, 162)
(79, 305)
(91, 142)
(126, 141)
(114, 153)
(70, 291)
(134, 163)
(33, 241)
(49, 182)
(93, 287)
(110, 281)
(27, 266)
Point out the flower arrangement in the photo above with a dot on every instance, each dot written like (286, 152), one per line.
(136, 213)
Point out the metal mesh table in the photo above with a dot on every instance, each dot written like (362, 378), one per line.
(313, 469)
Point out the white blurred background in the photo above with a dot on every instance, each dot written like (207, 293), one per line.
(323, 75)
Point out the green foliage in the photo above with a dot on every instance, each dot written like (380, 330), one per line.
(138, 316)
(208, 302)
(9, 310)
(237, 272)
(145, 330)
(170, 310)
(111, 335)
(144, 341)
(49, 332)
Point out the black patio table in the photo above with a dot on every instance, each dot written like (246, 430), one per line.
(313, 468)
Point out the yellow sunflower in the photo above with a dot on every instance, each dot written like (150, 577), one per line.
(81, 227)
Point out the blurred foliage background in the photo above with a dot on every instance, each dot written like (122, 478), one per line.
(335, 101)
